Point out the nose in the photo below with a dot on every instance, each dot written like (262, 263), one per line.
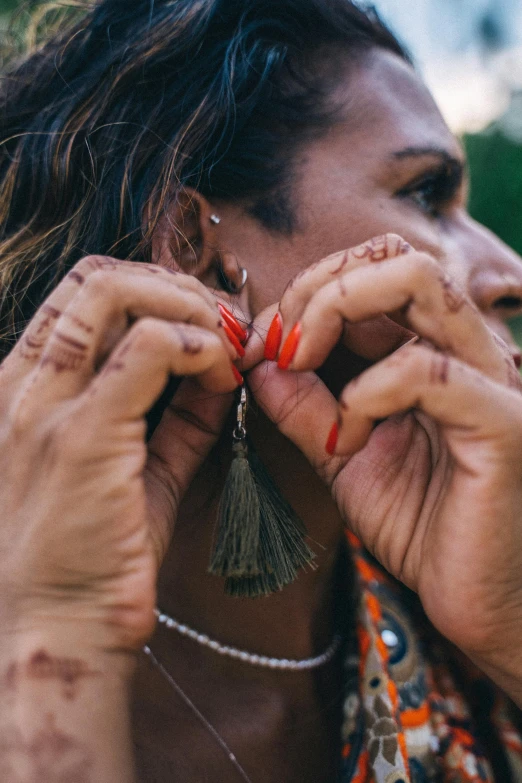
(493, 271)
(492, 274)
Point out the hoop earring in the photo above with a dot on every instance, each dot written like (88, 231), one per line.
(231, 287)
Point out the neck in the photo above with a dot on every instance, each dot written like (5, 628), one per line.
(298, 622)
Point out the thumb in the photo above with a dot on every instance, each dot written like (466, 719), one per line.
(303, 409)
(189, 428)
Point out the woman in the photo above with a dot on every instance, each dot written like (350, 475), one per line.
(246, 153)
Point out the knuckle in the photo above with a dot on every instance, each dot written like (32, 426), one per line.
(424, 269)
(99, 285)
(146, 332)
(93, 263)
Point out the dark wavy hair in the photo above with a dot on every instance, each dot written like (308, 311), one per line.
(133, 100)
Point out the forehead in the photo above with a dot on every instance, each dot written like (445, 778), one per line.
(385, 107)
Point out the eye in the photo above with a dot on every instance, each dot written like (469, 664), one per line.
(435, 189)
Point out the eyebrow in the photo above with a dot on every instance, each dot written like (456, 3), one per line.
(438, 152)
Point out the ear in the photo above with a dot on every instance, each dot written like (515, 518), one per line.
(184, 237)
(187, 239)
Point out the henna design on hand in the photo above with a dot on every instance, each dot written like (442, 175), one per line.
(36, 334)
(376, 250)
(454, 297)
(77, 277)
(439, 372)
(49, 756)
(42, 666)
(344, 260)
(68, 356)
(79, 323)
(190, 345)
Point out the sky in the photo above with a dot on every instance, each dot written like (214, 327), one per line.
(469, 51)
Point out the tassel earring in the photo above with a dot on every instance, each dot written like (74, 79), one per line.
(260, 541)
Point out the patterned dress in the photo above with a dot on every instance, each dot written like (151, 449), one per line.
(415, 709)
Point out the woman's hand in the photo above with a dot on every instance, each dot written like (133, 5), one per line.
(435, 489)
(87, 507)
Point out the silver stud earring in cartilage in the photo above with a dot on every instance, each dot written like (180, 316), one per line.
(215, 219)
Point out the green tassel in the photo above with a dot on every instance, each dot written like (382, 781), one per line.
(282, 546)
(236, 548)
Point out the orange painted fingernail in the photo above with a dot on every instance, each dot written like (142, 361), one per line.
(273, 338)
(232, 322)
(289, 348)
(239, 378)
(233, 339)
(333, 437)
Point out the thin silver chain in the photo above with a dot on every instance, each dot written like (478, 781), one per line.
(282, 664)
(199, 715)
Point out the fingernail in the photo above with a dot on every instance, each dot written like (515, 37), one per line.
(289, 348)
(239, 378)
(232, 322)
(273, 338)
(233, 339)
(333, 437)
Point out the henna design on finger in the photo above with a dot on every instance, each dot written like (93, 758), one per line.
(189, 345)
(454, 297)
(344, 260)
(79, 322)
(439, 371)
(43, 666)
(68, 356)
(49, 756)
(52, 312)
(514, 381)
(77, 277)
(35, 336)
(376, 249)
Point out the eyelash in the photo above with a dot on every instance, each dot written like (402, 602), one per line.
(434, 190)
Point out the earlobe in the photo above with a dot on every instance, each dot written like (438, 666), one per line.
(233, 276)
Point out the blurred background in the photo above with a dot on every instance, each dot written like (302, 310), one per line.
(470, 53)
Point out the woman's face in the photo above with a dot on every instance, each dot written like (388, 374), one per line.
(390, 165)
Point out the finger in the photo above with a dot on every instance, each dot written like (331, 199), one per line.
(454, 394)
(190, 426)
(300, 405)
(135, 374)
(302, 287)
(99, 315)
(255, 347)
(433, 305)
(372, 340)
(28, 350)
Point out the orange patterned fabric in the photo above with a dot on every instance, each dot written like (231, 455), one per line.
(416, 711)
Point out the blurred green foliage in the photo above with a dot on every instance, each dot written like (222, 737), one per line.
(8, 5)
(495, 164)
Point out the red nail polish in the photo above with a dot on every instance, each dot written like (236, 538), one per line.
(239, 378)
(273, 338)
(233, 339)
(289, 348)
(333, 437)
(232, 323)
